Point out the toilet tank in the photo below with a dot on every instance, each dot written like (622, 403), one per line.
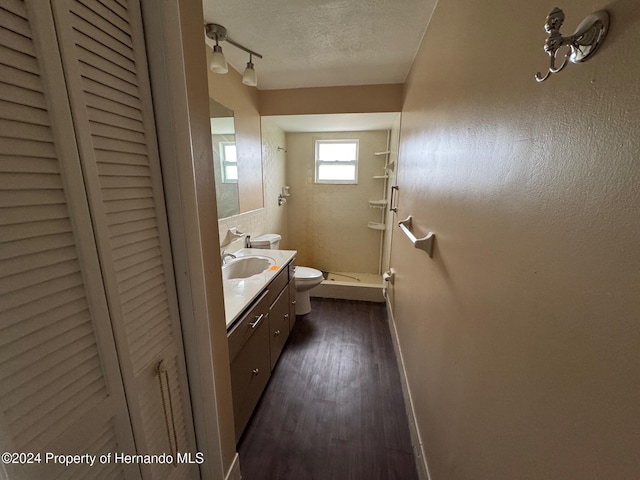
(269, 241)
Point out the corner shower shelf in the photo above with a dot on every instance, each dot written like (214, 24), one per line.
(377, 226)
(378, 203)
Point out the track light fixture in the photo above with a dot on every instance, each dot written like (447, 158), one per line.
(249, 77)
(218, 63)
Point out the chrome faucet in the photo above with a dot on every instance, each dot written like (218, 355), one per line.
(226, 255)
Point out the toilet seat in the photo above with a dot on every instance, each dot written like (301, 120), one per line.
(307, 273)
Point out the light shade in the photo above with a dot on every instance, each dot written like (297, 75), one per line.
(218, 63)
(249, 77)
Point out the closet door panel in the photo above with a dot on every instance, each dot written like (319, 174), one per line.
(104, 59)
(60, 385)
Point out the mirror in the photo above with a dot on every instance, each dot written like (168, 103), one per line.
(223, 142)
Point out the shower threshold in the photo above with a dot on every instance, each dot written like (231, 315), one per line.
(350, 286)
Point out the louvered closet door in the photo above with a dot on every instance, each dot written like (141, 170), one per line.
(60, 385)
(104, 59)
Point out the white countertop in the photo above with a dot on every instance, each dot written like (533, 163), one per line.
(240, 292)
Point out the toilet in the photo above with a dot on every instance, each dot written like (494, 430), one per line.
(305, 277)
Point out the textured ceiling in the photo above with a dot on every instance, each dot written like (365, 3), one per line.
(317, 43)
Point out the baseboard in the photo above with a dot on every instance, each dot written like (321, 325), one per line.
(416, 442)
(349, 291)
(234, 470)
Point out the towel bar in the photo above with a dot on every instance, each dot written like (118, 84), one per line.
(425, 243)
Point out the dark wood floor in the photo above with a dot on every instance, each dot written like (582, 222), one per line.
(333, 408)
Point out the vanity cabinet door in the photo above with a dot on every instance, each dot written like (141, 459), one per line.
(292, 296)
(279, 325)
(249, 375)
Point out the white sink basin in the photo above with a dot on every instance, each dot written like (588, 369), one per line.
(245, 267)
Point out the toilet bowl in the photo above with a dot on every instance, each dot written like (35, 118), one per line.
(305, 277)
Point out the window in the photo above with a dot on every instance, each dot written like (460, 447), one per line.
(229, 161)
(337, 161)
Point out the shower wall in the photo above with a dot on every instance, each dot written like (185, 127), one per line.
(328, 223)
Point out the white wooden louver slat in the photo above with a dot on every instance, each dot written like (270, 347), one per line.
(14, 232)
(128, 228)
(16, 33)
(122, 175)
(32, 181)
(110, 194)
(122, 243)
(103, 71)
(108, 118)
(43, 259)
(34, 330)
(58, 370)
(107, 14)
(19, 198)
(117, 132)
(109, 106)
(24, 164)
(103, 46)
(18, 77)
(16, 215)
(53, 361)
(85, 28)
(23, 130)
(15, 7)
(155, 294)
(34, 245)
(125, 181)
(108, 91)
(124, 255)
(31, 296)
(18, 60)
(127, 264)
(33, 334)
(87, 12)
(19, 95)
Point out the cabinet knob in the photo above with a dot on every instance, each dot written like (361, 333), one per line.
(293, 302)
(286, 315)
(255, 372)
(276, 333)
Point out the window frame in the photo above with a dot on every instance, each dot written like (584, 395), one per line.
(319, 162)
(224, 163)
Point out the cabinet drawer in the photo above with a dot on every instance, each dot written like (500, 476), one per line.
(279, 325)
(247, 325)
(250, 372)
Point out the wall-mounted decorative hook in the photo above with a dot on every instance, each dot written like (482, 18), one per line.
(582, 44)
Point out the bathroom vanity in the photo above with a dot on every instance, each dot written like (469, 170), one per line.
(260, 313)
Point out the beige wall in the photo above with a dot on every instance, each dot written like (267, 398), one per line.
(275, 177)
(319, 100)
(521, 335)
(328, 223)
(229, 90)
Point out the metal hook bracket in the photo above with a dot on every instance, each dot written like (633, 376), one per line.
(582, 44)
